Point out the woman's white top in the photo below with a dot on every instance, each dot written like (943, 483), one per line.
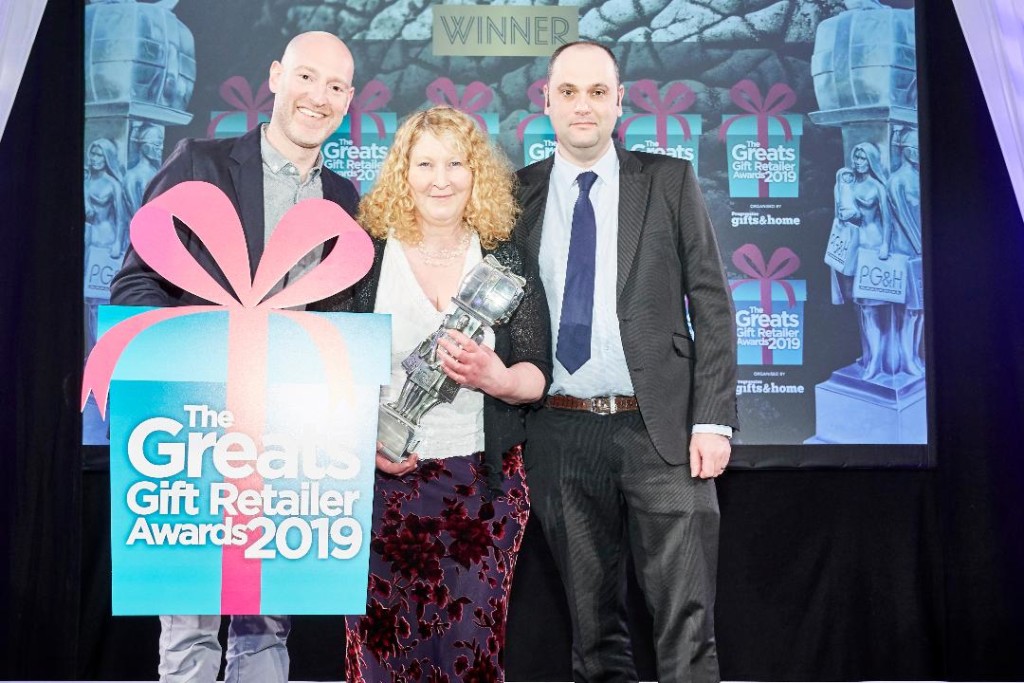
(447, 429)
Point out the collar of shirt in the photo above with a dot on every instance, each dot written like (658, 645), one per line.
(278, 164)
(607, 169)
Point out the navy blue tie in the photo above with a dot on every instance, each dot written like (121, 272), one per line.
(577, 320)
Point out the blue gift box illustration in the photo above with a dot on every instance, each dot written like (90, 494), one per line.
(538, 139)
(660, 126)
(250, 109)
(357, 149)
(763, 145)
(474, 99)
(769, 308)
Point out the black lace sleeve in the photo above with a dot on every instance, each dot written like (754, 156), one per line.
(529, 329)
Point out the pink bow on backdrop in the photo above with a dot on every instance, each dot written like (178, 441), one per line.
(475, 97)
(747, 96)
(678, 98)
(535, 93)
(207, 211)
(237, 92)
(782, 263)
(369, 100)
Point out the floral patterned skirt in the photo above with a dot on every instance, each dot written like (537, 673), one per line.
(442, 555)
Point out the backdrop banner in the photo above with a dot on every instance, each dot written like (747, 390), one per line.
(800, 117)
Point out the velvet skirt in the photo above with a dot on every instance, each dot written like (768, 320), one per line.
(442, 553)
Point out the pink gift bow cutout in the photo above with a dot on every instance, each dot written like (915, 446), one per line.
(369, 100)
(475, 97)
(678, 98)
(747, 96)
(237, 92)
(535, 93)
(212, 217)
(783, 263)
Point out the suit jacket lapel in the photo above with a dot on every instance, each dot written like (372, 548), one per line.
(247, 176)
(634, 188)
(533, 197)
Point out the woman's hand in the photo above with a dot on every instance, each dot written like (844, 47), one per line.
(472, 364)
(397, 469)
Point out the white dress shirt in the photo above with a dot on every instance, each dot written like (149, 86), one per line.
(606, 373)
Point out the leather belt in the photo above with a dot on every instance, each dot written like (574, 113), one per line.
(601, 405)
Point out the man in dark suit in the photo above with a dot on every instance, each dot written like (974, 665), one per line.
(623, 455)
(264, 173)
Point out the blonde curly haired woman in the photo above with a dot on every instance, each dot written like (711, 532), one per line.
(448, 521)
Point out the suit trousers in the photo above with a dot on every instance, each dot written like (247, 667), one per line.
(601, 490)
(257, 649)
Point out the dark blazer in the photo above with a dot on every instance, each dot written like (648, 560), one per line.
(525, 337)
(667, 254)
(235, 165)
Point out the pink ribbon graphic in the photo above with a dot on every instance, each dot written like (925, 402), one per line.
(369, 100)
(210, 215)
(783, 263)
(535, 93)
(475, 97)
(678, 98)
(747, 96)
(237, 92)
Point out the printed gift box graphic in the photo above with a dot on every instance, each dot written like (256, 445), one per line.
(242, 434)
(663, 128)
(357, 149)
(249, 111)
(769, 307)
(475, 97)
(534, 129)
(764, 144)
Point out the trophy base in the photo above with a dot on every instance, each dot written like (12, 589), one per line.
(887, 410)
(396, 435)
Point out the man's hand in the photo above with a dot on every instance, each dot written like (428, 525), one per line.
(709, 454)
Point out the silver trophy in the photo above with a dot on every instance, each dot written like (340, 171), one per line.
(488, 296)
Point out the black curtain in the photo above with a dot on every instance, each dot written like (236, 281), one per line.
(41, 217)
(824, 575)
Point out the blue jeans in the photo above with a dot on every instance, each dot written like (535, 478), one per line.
(257, 649)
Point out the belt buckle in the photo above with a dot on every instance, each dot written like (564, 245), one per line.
(603, 405)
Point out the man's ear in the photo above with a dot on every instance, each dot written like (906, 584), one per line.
(547, 99)
(276, 69)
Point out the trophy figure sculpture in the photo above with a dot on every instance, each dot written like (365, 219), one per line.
(487, 296)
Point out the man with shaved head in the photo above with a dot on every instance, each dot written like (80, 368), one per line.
(264, 173)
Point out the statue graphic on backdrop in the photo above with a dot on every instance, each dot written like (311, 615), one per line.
(150, 141)
(904, 198)
(106, 206)
(862, 204)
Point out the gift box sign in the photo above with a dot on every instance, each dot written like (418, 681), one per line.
(770, 335)
(538, 140)
(231, 124)
(641, 136)
(190, 483)
(357, 148)
(250, 108)
(474, 98)
(659, 125)
(243, 432)
(359, 158)
(769, 307)
(764, 171)
(763, 145)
